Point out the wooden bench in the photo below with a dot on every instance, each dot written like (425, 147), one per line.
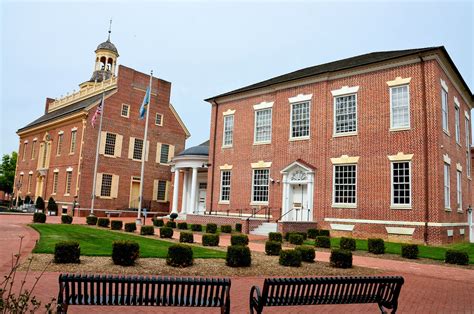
(75, 289)
(327, 290)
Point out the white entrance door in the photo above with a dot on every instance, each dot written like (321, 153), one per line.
(471, 226)
(300, 203)
(202, 197)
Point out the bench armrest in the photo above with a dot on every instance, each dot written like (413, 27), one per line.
(255, 299)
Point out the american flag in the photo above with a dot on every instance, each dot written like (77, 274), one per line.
(97, 113)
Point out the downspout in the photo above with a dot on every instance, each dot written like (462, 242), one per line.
(427, 172)
(213, 158)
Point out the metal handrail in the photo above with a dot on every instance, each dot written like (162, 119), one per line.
(254, 213)
(285, 214)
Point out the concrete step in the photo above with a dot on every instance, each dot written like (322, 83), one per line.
(265, 228)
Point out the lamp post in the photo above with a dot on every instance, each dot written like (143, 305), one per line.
(74, 204)
(18, 187)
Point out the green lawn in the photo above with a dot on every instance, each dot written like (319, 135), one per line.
(98, 242)
(432, 252)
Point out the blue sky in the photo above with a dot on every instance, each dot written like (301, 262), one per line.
(206, 47)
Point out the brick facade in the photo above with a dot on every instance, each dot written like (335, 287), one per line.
(373, 143)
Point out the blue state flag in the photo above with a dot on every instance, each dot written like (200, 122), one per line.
(145, 103)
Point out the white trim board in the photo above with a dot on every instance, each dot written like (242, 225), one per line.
(387, 222)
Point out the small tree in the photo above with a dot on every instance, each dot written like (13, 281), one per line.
(52, 206)
(39, 203)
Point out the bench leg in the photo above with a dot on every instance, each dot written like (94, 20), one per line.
(61, 308)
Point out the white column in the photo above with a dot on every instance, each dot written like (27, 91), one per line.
(185, 192)
(175, 191)
(285, 207)
(309, 197)
(192, 201)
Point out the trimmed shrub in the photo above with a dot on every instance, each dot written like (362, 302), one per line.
(238, 227)
(182, 226)
(456, 257)
(290, 258)
(27, 199)
(323, 241)
(196, 227)
(210, 239)
(158, 222)
(171, 224)
(125, 253)
(103, 222)
(211, 228)
(376, 246)
(410, 251)
(130, 227)
(296, 238)
(312, 233)
(340, 258)
(39, 203)
(272, 248)
(288, 234)
(180, 255)
(39, 218)
(275, 236)
(226, 228)
(67, 252)
(173, 216)
(239, 239)
(91, 220)
(147, 230)
(186, 237)
(347, 244)
(308, 254)
(66, 219)
(52, 206)
(324, 232)
(116, 225)
(166, 232)
(238, 256)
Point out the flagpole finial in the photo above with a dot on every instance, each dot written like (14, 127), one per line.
(110, 29)
(151, 72)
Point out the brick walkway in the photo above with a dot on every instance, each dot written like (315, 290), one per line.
(427, 289)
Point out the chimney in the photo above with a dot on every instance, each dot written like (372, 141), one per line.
(46, 106)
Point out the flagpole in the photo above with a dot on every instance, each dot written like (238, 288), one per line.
(94, 178)
(144, 153)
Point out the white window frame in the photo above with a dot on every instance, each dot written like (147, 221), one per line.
(161, 119)
(392, 190)
(447, 186)
(224, 144)
(59, 147)
(55, 182)
(128, 111)
(445, 110)
(255, 141)
(114, 144)
(459, 190)
(143, 149)
(25, 147)
(404, 127)
(221, 200)
(457, 123)
(33, 149)
(102, 185)
(334, 131)
(343, 205)
(72, 147)
(68, 186)
(158, 191)
(167, 155)
(252, 201)
(304, 137)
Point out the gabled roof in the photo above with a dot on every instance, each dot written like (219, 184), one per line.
(344, 64)
(65, 111)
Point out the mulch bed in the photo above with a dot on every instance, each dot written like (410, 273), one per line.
(262, 265)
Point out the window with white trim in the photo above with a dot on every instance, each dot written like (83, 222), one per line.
(228, 130)
(345, 184)
(467, 130)
(33, 150)
(106, 187)
(137, 149)
(68, 182)
(110, 139)
(45, 154)
(447, 187)
(30, 180)
(159, 119)
(457, 124)
(55, 182)
(21, 182)
(25, 146)
(225, 185)
(260, 185)
(263, 126)
(345, 114)
(161, 192)
(73, 142)
(444, 108)
(468, 163)
(60, 144)
(164, 153)
(125, 112)
(300, 119)
(400, 107)
(401, 183)
(459, 189)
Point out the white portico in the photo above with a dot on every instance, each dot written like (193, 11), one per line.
(192, 164)
(298, 188)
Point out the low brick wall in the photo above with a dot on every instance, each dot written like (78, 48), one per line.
(288, 226)
(225, 220)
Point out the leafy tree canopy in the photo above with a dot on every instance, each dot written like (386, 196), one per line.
(7, 172)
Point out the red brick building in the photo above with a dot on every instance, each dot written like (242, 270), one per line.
(57, 151)
(373, 145)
